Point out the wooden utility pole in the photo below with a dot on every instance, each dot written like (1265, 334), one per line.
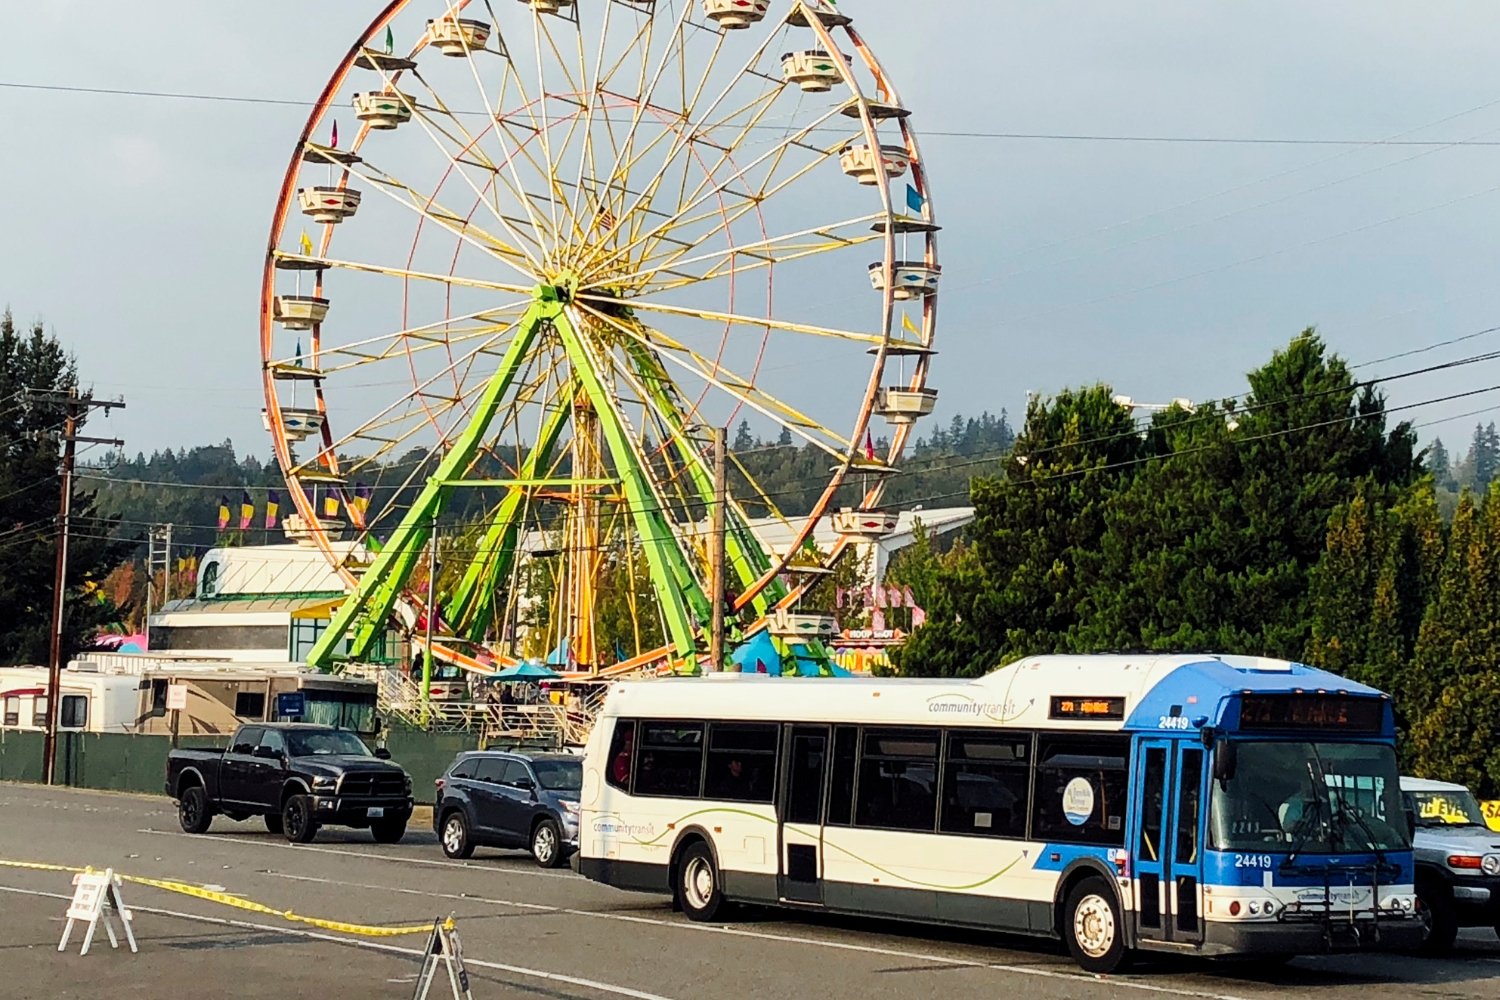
(716, 551)
(75, 406)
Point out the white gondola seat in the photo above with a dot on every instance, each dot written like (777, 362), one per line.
(801, 625)
(328, 204)
(457, 36)
(900, 405)
(814, 70)
(384, 110)
(300, 312)
(864, 523)
(912, 278)
(548, 6)
(732, 15)
(858, 162)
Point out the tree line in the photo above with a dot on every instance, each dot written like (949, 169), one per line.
(1290, 522)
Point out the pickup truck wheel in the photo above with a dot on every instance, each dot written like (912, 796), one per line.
(297, 820)
(273, 822)
(193, 810)
(1439, 918)
(388, 831)
(546, 844)
(455, 836)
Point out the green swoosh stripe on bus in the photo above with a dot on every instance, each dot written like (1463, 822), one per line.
(843, 850)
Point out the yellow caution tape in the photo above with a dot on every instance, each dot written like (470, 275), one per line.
(225, 899)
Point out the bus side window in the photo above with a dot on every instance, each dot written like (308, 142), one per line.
(158, 698)
(841, 786)
(1080, 789)
(12, 710)
(621, 754)
(898, 780)
(986, 783)
(741, 762)
(671, 759)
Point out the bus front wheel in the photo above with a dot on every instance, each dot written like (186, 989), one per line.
(1093, 927)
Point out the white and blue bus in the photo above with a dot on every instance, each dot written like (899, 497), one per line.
(1209, 805)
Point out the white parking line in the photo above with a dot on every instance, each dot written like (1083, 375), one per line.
(466, 865)
(684, 925)
(517, 970)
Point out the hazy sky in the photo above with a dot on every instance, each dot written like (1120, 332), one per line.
(135, 227)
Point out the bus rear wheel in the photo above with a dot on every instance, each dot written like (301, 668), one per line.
(699, 889)
(1093, 929)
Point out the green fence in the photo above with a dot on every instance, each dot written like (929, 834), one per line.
(123, 763)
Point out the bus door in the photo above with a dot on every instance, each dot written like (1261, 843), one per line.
(1187, 842)
(1166, 852)
(799, 876)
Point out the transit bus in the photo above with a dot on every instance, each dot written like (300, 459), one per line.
(1209, 805)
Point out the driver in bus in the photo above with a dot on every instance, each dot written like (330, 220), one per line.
(1301, 803)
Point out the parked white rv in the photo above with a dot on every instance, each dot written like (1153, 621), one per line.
(127, 693)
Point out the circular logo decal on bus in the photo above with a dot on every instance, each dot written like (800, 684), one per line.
(1078, 801)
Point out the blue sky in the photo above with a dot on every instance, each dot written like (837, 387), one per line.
(135, 227)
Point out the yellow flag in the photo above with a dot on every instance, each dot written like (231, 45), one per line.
(908, 324)
(306, 245)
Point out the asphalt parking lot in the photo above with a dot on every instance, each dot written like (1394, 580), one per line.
(537, 934)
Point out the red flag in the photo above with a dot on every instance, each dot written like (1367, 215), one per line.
(869, 446)
(335, 143)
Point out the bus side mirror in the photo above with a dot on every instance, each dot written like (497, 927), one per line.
(1411, 821)
(382, 753)
(1225, 760)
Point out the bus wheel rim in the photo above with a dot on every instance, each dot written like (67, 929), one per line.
(1094, 925)
(698, 881)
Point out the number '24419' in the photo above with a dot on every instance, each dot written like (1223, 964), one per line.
(1252, 861)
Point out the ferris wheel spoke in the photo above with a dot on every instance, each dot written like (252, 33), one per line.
(761, 322)
(426, 331)
(743, 389)
(428, 208)
(760, 253)
(333, 263)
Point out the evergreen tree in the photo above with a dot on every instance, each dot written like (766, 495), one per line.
(743, 439)
(1484, 457)
(1440, 465)
(30, 491)
(784, 440)
(1035, 534)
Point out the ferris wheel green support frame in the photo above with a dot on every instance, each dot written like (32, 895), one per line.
(364, 614)
(743, 553)
(471, 609)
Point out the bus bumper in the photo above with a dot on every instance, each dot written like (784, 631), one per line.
(1312, 937)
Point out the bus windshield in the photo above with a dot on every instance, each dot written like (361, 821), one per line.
(1309, 798)
(340, 709)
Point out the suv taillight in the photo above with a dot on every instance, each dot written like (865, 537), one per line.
(439, 784)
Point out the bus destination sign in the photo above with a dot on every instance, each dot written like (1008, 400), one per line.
(1308, 710)
(1087, 707)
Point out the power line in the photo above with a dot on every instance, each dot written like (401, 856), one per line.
(943, 133)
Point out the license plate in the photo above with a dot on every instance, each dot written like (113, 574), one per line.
(375, 812)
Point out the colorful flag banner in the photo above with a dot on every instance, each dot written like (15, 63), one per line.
(330, 506)
(298, 360)
(915, 201)
(273, 504)
(361, 502)
(390, 41)
(869, 446)
(907, 324)
(307, 250)
(247, 510)
(334, 143)
(223, 512)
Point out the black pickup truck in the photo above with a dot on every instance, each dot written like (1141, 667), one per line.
(299, 777)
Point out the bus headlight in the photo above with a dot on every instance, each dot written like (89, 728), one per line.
(1268, 907)
(1254, 907)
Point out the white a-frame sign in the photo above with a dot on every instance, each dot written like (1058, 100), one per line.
(95, 896)
(444, 950)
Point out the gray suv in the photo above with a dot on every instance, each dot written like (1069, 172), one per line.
(1458, 861)
(494, 799)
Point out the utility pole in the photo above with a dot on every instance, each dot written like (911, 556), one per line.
(716, 551)
(432, 543)
(75, 407)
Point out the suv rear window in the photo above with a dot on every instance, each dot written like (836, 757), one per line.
(464, 768)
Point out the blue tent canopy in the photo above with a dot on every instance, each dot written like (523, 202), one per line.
(761, 654)
(528, 671)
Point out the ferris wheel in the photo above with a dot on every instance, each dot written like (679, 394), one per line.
(558, 244)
